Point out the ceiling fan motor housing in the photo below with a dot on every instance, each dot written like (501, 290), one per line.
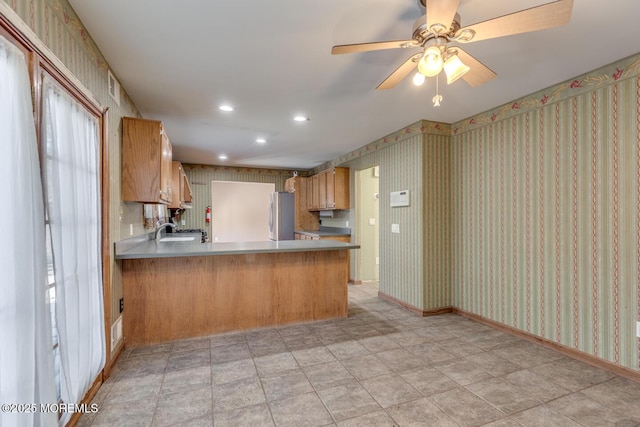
(421, 33)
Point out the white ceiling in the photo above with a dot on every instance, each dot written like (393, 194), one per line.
(178, 60)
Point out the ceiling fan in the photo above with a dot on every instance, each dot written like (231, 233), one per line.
(440, 27)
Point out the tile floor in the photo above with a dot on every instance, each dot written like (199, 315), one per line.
(382, 366)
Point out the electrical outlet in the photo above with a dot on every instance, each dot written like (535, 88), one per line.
(395, 228)
(638, 329)
(347, 225)
(183, 222)
(372, 221)
(130, 229)
(121, 305)
(377, 260)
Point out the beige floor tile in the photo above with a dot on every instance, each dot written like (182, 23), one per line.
(368, 366)
(465, 408)
(305, 410)
(504, 395)
(254, 416)
(328, 375)
(186, 379)
(543, 415)
(462, 371)
(193, 406)
(428, 380)
(618, 394)
(420, 412)
(390, 390)
(290, 383)
(347, 349)
(233, 371)
(572, 374)
(275, 364)
(313, 356)
(372, 419)
(580, 408)
(229, 396)
(348, 401)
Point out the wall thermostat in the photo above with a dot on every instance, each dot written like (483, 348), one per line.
(399, 198)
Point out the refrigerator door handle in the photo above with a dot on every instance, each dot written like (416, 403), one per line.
(271, 214)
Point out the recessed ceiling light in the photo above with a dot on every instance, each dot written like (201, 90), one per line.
(226, 108)
(301, 118)
(261, 141)
(222, 157)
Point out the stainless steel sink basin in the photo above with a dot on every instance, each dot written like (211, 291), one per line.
(177, 239)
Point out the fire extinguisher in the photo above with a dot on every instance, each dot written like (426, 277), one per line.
(207, 214)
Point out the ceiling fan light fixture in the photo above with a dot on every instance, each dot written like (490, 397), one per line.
(418, 79)
(454, 68)
(431, 62)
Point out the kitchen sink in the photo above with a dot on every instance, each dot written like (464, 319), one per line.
(177, 239)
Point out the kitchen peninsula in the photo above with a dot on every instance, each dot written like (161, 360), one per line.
(177, 290)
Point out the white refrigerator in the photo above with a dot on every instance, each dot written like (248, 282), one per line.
(282, 211)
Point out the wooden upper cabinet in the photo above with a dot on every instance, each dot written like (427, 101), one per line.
(333, 190)
(315, 195)
(310, 193)
(186, 188)
(146, 162)
(322, 190)
(304, 220)
(330, 192)
(338, 195)
(181, 189)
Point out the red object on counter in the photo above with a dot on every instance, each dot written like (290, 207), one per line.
(207, 214)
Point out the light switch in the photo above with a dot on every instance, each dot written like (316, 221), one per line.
(395, 228)
(372, 221)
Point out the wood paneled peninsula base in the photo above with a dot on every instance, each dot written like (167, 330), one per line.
(169, 298)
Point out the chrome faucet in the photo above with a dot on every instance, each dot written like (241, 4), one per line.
(161, 226)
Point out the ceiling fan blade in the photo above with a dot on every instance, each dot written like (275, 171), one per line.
(548, 15)
(364, 47)
(478, 73)
(441, 12)
(399, 74)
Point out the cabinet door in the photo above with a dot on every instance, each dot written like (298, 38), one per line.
(176, 185)
(310, 193)
(331, 189)
(146, 161)
(341, 198)
(166, 168)
(322, 190)
(315, 194)
(186, 188)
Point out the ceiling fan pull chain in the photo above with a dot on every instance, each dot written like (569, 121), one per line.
(438, 97)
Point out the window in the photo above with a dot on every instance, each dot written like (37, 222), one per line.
(52, 333)
(70, 147)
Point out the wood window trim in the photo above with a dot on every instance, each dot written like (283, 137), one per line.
(39, 62)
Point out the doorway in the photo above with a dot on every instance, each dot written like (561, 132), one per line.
(367, 222)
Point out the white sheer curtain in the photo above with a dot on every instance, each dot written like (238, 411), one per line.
(71, 161)
(26, 349)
